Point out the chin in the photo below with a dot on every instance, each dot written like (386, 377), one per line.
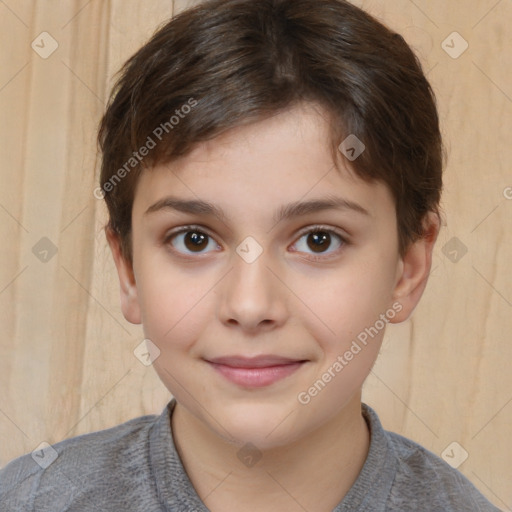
(264, 425)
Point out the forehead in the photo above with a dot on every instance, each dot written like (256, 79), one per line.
(257, 168)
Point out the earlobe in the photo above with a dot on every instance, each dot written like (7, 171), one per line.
(128, 286)
(415, 269)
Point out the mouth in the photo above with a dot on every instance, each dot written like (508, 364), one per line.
(255, 372)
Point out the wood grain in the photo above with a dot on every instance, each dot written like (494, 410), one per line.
(67, 365)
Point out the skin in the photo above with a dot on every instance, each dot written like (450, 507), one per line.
(196, 305)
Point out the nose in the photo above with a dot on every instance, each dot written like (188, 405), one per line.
(253, 296)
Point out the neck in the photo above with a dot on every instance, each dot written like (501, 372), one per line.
(313, 473)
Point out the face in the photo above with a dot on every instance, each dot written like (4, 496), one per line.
(268, 316)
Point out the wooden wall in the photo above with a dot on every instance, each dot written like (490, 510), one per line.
(67, 365)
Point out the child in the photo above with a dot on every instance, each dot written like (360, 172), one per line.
(272, 172)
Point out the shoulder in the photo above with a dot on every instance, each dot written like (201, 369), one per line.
(401, 475)
(424, 479)
(58, 474)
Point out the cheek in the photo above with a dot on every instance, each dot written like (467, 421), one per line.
(173, 303)
(342, 304)
(174, 318)
(348, 332)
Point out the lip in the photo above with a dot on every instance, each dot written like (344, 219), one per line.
(255, 372)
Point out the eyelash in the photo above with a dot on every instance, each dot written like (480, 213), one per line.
(310, 230)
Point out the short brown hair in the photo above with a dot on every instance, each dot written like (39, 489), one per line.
(233, 62)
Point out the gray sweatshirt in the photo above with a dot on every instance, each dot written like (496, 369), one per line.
(134, 467)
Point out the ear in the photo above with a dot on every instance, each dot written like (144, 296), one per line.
(129, 301)
(415, 269)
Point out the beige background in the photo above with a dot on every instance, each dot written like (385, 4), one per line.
(67, 365)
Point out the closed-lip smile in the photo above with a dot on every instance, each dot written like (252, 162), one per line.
(254, 372)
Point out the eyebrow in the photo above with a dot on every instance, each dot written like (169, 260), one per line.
(288, 211)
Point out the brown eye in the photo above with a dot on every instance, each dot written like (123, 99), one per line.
(190, 241)
(195, 241)
(319, 241)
